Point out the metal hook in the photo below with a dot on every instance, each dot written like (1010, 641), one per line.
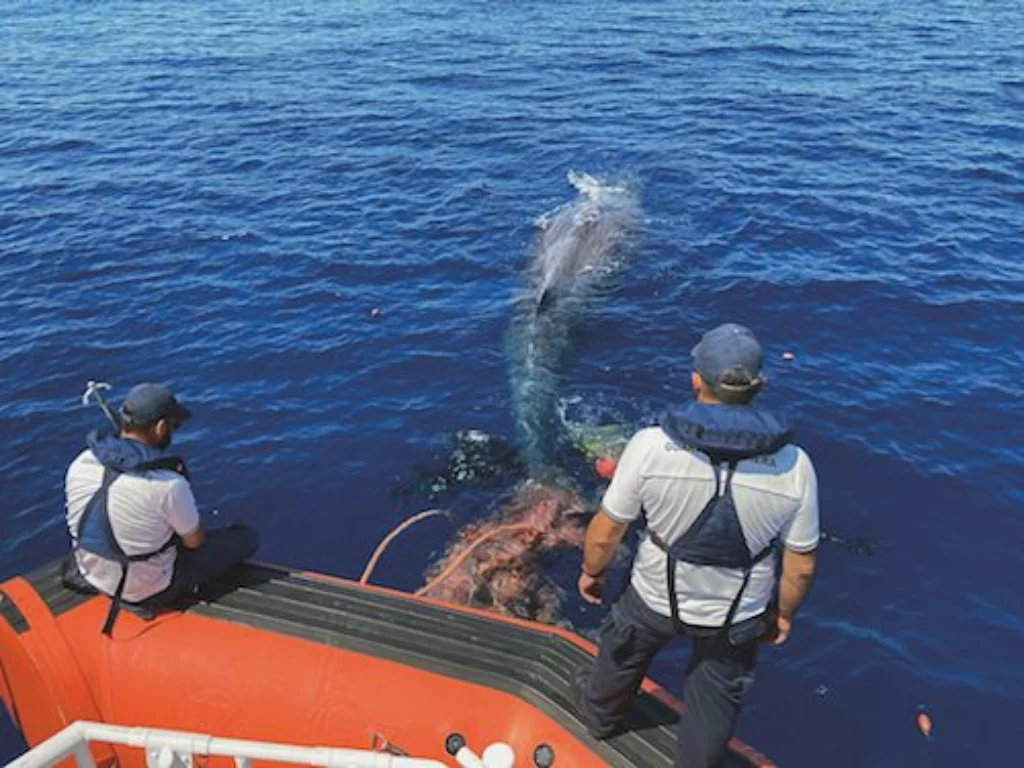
(94, 389)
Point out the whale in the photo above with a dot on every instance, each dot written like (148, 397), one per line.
(580, 250)
(582, 244)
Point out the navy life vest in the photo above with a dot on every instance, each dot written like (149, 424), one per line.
(119, 456)
(726, 434)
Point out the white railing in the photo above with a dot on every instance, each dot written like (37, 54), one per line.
(174, 749)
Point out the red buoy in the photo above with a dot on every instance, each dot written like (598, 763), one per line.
(605, 467)
(924, 724)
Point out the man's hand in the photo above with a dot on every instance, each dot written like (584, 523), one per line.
(779, 633)
(591, 588)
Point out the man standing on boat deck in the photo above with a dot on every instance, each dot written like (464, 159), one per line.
(721, 487)
(136, 533)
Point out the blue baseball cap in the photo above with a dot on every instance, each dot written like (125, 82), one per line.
(148, 403)
(730, 357)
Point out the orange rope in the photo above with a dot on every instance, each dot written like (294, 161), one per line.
(391, 536)
(466, 552)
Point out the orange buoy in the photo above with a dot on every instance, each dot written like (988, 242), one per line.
(924, 724)
(605, 467)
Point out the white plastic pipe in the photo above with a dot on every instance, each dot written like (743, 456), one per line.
(57, 747)
(77, 735)
(467, 758)
(83, 756)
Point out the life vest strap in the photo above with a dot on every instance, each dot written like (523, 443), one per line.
(115, 603)
(723, 490)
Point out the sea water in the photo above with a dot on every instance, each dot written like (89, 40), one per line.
(312, 218)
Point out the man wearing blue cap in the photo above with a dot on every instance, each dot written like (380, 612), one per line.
(721, 488)
(136, 533)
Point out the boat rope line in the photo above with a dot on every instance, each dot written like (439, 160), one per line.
(495, 563)
(455, 563)
(396, 531)
(501, 529)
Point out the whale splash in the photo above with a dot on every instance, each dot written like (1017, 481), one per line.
(580, 250)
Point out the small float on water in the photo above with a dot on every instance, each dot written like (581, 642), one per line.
(285, 666)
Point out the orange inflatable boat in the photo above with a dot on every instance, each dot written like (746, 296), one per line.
(280, 656)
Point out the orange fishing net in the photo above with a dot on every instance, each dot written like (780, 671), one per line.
(494, 564)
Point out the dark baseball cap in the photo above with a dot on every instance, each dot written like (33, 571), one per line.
(148, 403)
(729, 356)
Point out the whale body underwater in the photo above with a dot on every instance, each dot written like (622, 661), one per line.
(580, 251)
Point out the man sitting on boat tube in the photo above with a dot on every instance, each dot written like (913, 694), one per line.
(722, 488)
(135, 530)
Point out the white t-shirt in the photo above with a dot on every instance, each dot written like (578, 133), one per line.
(145, 510)
(775, 496)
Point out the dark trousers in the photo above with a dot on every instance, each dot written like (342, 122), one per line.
(223, 548)
(718, 676)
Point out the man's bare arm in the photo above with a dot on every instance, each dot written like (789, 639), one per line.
(599, 545)
(603, 537)
(797, 577)
(195, 539)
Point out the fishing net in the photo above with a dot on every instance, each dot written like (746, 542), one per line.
(495, 564)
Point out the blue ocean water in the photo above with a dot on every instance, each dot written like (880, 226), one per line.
(220, 196)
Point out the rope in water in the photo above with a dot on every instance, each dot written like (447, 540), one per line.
(364, 579)
(469, 550)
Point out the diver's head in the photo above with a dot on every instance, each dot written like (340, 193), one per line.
(727, 366)
(151, 414)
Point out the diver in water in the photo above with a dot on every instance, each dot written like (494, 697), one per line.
(135, 530)
(721, 486)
